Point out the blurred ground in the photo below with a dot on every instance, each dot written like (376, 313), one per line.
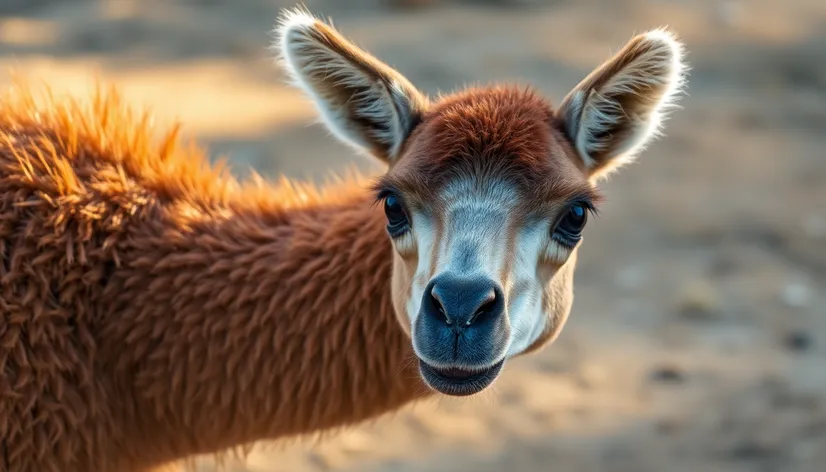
(698, 337)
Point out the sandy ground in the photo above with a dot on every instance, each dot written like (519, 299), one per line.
(698, 336)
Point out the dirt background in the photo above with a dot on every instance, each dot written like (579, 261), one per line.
(698, 336)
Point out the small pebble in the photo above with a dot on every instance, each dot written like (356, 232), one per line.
(796, 294)
(321, 461)
(750, 449)
(670, 374)
(591, 376)
(799, 341)
(698, 301)
(723, 264)
(668, 425)
(356, 443)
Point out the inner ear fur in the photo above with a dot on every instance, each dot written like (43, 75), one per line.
(362, 101)
(619, 108)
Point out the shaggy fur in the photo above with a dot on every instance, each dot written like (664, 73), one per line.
(152, 307)
(520, 133)
(481, 185)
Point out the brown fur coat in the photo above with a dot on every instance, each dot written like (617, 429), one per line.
(152, 307)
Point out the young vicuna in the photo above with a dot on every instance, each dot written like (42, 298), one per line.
(152, 308)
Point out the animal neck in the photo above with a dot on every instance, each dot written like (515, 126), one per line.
(250, 323)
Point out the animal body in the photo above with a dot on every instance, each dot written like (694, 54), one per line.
(152, 307)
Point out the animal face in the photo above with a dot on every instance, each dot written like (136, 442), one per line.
(488, 191)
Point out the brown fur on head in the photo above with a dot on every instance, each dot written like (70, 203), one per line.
(487, 190)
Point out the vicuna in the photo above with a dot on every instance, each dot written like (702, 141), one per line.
(153, 308)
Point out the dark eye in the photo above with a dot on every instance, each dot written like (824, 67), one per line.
(397, 222)
(570, 227)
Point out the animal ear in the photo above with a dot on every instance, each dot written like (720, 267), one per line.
(614, 112)
(364, 102)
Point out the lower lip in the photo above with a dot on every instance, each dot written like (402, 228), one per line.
(459, 383)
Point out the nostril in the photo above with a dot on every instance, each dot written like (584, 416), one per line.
(487, 307)
(459, 302)
(440, 308)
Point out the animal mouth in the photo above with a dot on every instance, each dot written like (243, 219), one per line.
(459, 381)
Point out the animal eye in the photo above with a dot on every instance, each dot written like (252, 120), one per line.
(570, 227)
(397, 222)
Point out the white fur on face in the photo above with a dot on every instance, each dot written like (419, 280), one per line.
(423, 232)
(474, 242)
(525, 307)
(609, 117)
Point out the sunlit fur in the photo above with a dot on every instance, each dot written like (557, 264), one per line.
(349, 85)
(612, 114)
(153, 308)
(486, 173)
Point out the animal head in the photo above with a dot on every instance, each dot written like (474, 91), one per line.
(488, 190)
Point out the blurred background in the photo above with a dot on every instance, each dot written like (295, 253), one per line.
(698, 336)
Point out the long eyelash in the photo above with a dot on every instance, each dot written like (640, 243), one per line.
(587, 203)
(584, 201)
(593, 210)
(381, 193)
(381, 189)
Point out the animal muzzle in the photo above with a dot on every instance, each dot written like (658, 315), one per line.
(461, 333)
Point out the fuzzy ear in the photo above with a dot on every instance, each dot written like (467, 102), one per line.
(614, 112)
(364, 102)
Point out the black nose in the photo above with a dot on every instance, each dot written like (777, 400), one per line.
(460, 302)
